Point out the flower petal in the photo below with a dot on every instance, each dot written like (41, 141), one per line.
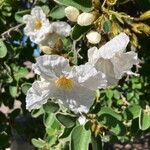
(106, 66)
(93, 55)
(117, 44)
(38, 12)
(123, 63)
(37, 95)
(61, 28)
(50, 40)
(89, 77)
(79, 99)
(51, 66)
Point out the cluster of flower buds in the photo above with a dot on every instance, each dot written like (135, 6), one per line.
(83, 19)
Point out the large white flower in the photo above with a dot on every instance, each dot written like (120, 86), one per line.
(37, 25)
(112, 59)
(74, 86)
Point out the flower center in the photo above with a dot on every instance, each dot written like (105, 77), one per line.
(63, 82)
(37, 24)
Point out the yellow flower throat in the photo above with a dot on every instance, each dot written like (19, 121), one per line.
(64, 83)
(37, 24)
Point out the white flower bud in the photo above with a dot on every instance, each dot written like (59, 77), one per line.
(93, 37)
(85, 19)
(72, 13)
(46, 49)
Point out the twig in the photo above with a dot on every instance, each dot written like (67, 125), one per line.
(15, 28)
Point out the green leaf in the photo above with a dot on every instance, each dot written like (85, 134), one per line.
(112, 123)
(58, 12)
(109, 93)
(106, 26)
(45, 9)
(144, 119)
(25, 87)
(13, 91)
(21, 73)
(84, 5)
(51, 107)
(37, 112)
(39, 143)
(3, 49)
(80, 138)
(117, 94)
(79, 31)
(20, 14)
(49, 119)
(132, 112)
(110, 111)
(67, 120)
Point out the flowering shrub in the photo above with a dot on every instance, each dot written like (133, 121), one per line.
(85, 82)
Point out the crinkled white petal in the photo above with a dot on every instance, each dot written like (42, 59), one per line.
(51, 66)
(79, 99)
(38, 12)
(37, 95)
(61, 28)
(89, 77)
(93, 55)
(117, 44)
(106, 66)
(50, 40)
(123, 62)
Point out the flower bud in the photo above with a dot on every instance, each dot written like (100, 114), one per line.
(72, 13)
(46, 49)
(93, 37)
(86, 19)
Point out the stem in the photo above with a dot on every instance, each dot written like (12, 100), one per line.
(10, 30)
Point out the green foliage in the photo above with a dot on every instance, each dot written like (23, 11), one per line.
(38, 143)
(84, 5)
(79, 31)
(80, 138)
(144, 119)
(20, 14)
(67, 120)
(3, 49)
(57, 12)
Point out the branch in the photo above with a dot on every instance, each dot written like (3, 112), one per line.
(15, 28)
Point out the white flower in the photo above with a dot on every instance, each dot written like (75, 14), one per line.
(72, 13)
(93, 37)
(37, 25)
(85, 19)
(112, 59)
(60, 29)
(73, 86)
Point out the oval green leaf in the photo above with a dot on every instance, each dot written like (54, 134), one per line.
(80, 138)
(58, 12)
(3, 49)
(67, 120)
(144, 120)
(83, 5)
